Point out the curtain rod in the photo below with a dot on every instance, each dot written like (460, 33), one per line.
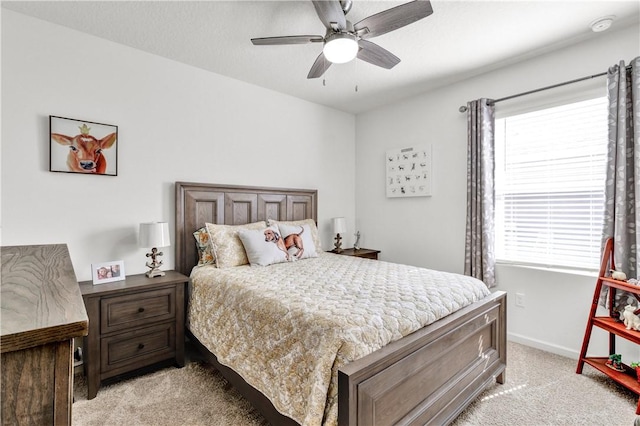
(464, 108)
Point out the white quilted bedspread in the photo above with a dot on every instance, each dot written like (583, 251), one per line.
(287, 328)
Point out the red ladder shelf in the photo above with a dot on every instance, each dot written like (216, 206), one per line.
(627, 378)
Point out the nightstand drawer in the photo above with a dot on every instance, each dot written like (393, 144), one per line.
(140, 347)
(137, 309)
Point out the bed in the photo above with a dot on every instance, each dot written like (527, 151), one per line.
(426, 377)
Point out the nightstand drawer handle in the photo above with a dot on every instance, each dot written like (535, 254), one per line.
(140, 310)
(140, 346)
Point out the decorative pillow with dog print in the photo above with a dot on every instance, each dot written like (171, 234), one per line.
(312, 227)
(226, 245)
(298, 241)
(205, 254)
(264, 247)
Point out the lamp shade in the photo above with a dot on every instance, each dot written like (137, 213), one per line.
(154, 234)
(339, 225)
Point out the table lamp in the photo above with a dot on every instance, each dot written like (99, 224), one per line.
(339, 226)
(154, 235)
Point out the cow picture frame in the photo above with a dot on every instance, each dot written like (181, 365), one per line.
(107, 272)
(85, 147)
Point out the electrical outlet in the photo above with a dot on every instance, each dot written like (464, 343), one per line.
(520, 300)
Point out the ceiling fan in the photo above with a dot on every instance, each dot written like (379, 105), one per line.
(345, 41)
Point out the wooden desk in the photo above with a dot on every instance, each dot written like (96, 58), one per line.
(41, 311)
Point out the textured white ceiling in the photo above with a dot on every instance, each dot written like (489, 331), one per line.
(460, 39)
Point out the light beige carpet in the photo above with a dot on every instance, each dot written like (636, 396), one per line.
(541, 389)
(544, 389)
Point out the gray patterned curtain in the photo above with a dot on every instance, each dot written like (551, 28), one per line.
(622, 192)
(479, 256)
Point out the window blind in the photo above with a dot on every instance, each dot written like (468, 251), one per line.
(549, 182)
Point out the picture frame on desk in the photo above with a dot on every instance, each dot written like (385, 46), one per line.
(107, 272)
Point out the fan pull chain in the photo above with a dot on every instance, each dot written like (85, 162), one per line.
(324, 78)
(355, 65)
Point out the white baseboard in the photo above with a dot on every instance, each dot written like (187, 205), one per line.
(545, 346)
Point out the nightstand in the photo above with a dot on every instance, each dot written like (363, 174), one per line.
(133, 323)
(361, 252)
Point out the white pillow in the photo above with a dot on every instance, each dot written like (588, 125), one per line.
(263, 247)
(312, 226)
(298, 240)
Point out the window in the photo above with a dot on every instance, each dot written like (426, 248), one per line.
(549, 181)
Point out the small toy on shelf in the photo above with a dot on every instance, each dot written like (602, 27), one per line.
(615, 362)
(616, 314)
(618, 275)
(631, 320)
(636, 366)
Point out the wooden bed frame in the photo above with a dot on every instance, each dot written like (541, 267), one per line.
(427, 377)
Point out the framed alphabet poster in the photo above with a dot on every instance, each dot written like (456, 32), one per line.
(409, 171)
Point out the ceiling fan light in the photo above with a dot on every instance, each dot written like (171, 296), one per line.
(340, 48)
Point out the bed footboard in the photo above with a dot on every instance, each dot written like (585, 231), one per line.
(430, 376)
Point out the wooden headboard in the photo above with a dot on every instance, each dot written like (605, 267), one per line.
(197, 203)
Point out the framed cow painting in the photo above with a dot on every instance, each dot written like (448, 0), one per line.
(83, 147)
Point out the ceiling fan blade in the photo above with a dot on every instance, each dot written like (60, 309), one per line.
(376, 55)
(330, 11)
(392, 19)
(301, 39)
(319, 66)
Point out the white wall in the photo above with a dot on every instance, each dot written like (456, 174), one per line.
(175, 123)
(181, 123)
(429, 231)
